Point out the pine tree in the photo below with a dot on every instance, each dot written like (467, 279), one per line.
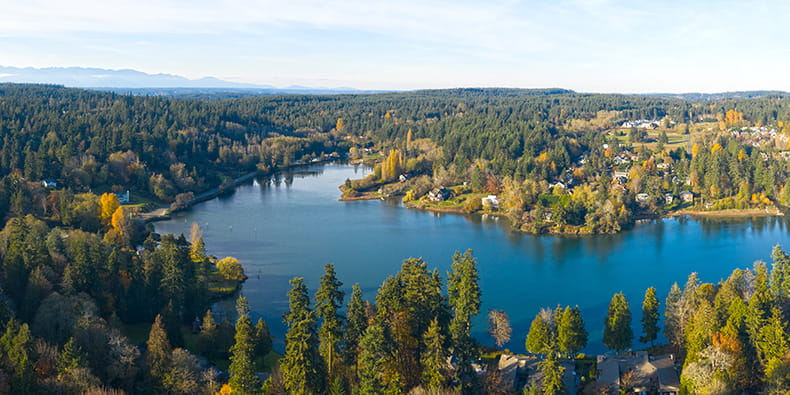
(301, 365)
(552, 370)
(263, 339)
(464, 297)
(328, 300)
(617, 334)
(372, 356)
(158, 351)
(70, 357)
(672, 325)
(571, 335)
(539, 336)
(23, 378)
(434, 358)
(242, 367)
(208, 335)
(356, 323)
(650, 316)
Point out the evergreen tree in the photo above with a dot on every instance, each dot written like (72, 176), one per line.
(672, 314)
(158, 350)
(208, 336)
(617, 333)
(23, 378)
(263, 339)
(242, 367)
(552, 370)
(434, 358)
(372, 357)
(356, 323)
(539, 336)
(571, 335)
(70, 357)
(301, 365)
(328, 300)
(650, 316)
(464, 297)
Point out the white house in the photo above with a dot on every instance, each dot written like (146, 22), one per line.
(490, 200)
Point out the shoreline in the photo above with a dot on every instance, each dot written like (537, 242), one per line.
(163, 213)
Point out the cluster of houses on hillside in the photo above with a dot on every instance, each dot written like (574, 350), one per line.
(641, 124)
(634, 372)
(759, 136)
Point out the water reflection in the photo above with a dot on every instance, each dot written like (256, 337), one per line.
(290, 224)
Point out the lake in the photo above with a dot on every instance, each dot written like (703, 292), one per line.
(291, 224)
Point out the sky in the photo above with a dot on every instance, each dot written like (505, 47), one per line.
(626, 46)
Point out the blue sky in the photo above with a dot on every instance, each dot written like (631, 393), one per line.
(624, 46)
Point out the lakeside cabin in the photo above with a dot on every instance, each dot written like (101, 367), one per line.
(686, 196)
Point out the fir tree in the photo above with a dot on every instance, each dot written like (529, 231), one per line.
(539, 336)
(434, 358)
(650, 316)
(552, 370)
(617, 333)
(571, 335)
(23, 378)
(371, 360)
(356, 323)
(70, 357)
(158, 351)
(242, 368)
(301, 365)
(464, 297)
(328, 300)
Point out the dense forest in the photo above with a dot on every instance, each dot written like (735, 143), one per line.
(92, 301)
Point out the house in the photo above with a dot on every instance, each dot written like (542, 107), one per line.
(438, 195)
(123, 197)
(686, 196)
(643, 374)
(557, 184)
(642, 197)
(403, 177)
(49, 183)
(490, 201)
(514, 370)
(668, 198)
(621, 173)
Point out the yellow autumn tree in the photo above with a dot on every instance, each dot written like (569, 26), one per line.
(108, 203)
(694, 149)
(340, 124)
(393, 165)
(120, 221)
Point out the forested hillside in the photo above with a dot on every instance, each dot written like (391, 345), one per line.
(91, 301)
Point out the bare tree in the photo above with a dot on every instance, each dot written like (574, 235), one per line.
(499, 326)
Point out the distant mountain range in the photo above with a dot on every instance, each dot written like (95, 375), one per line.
(138, 82)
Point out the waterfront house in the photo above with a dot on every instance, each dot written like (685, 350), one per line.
(438, 195)
(686, 196)
(668, 198)
(490, 201)
(642, 197)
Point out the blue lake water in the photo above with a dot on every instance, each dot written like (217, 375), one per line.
(291, 224)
